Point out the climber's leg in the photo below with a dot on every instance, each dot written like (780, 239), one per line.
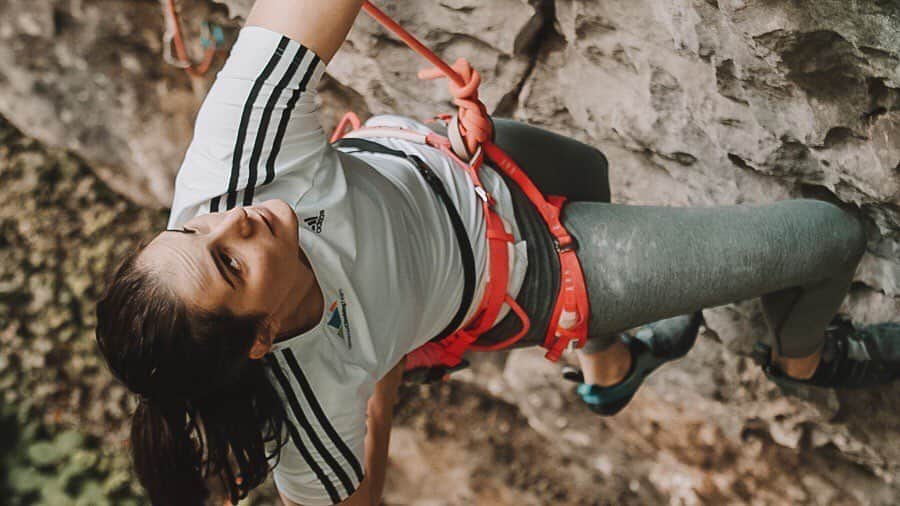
(644, 263)
(605, 361)
(563, 166)
(557, 165)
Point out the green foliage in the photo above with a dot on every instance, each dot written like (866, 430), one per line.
(61, 231)
(66, 468)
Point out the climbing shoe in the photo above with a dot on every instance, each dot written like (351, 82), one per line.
(651, 346)
(851, 357)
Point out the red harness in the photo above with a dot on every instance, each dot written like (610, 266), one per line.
(470, 137)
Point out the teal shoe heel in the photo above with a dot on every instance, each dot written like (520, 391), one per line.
(652, 346)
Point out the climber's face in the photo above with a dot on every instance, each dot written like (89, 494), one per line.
(246, 260)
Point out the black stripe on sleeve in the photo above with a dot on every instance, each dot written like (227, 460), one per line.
(245, 121)
(298, 442)
(314, 437)
(259, 143)
(286, 116)
(295, 434)
(320, 414)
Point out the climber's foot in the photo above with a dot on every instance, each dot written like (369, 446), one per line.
(851, 357)
(652, 345)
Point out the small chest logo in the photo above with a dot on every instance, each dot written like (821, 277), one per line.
(337, 318)
(315, 222)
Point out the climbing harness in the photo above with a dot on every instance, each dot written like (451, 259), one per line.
(211, 38)
(469, 140)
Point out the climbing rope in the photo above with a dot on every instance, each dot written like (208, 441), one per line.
(474, 124)
(211, 38)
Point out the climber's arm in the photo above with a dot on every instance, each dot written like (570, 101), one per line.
(259, 121)
(380, 417)
(321, 25)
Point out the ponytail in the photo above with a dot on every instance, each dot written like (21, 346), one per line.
(177, 445)
(167, 460)
(207, 410)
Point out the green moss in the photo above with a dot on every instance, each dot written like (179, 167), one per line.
(66, 468)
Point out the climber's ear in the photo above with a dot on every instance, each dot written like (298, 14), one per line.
(263, 342)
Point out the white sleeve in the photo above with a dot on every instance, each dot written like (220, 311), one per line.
(322, 463)
(258, 122)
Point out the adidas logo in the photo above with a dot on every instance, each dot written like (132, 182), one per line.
(315, 222)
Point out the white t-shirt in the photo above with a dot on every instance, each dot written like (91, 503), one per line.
(379, 240)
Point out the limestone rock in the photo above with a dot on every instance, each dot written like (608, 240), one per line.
(694, 102)
(88, 75)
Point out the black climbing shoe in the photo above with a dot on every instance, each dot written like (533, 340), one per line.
(851, 358)
(652, 345)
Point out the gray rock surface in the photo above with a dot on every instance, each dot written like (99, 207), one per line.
(88, 75)
(695, 102)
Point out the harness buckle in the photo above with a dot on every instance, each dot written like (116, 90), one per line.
(567, 243)
(482, 194)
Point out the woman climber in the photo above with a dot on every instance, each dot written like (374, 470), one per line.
(266, 329)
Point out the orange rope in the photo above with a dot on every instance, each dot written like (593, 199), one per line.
(474, 122)
(412, 42)
(475, 127)
(350, 119)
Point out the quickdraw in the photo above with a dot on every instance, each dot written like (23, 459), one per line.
(470, 138)
(211, 38)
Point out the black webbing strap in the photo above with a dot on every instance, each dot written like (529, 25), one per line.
(462, 237)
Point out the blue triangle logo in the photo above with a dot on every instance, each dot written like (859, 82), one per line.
(335, 320)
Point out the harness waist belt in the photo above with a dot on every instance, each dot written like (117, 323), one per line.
(568, 323)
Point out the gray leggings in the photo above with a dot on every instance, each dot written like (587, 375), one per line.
(644, 263)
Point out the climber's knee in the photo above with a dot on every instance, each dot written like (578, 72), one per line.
(839, 227)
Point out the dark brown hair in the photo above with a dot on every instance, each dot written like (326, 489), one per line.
(206, 409)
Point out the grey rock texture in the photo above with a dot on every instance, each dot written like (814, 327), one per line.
(694, 102)
(88, 75)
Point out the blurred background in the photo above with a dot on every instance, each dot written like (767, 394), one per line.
(694, 102)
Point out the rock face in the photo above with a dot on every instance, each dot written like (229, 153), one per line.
(694, 102)
(88, 75)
